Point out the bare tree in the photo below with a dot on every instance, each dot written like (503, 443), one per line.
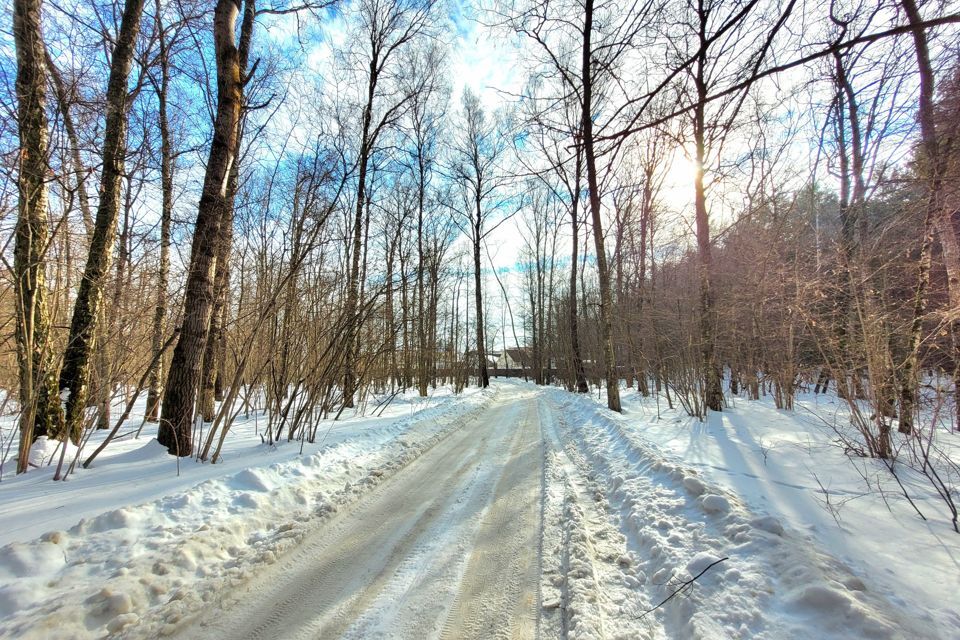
(934, 149)
(541, 222)
(584, 58)
(30, 247)
(75, 374)
(387, 28)
(477, 157)
(212, 368)
(184, 377)
(425, 117)
(564, 178)
(161, 87)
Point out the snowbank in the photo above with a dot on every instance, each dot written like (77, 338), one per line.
(764, 575)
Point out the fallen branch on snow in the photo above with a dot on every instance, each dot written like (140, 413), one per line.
(686, 586)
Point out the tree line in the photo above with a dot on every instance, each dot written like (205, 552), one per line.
(338, 198)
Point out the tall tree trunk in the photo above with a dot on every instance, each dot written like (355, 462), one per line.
(31, 239)
(858, 261)
(846, 287)
(353, 290)
(936, 216)
(713, 383)
(75, 375)
(407, 369)
(541, 325)
(483, 374)
(646, 212)
(155, 390)
(580, 376)
(421, 330)
(213, 353)
(391, 335)
(50, 417)
(432, 319)
(550, 297)
(184, 377)
(606, 299)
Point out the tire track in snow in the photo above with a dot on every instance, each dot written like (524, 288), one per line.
(357, 575)
(422, 585)
(351, 558)
(594, 575)
(498, 596)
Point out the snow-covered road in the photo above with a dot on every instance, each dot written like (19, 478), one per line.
(447, 548)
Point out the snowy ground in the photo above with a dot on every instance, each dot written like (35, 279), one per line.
(520, 511)
(789, 465)
(683, 495)
(130, 537)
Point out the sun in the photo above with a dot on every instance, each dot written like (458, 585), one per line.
(678, 179)
(682, 170)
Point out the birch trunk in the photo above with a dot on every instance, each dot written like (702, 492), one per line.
(155, 390)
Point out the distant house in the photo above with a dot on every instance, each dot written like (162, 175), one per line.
(514, 359)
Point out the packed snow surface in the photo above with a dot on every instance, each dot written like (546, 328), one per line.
(518, 512)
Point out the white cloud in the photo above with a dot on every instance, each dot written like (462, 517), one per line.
(485, 61)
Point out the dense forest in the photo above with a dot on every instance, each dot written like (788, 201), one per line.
(291, 205)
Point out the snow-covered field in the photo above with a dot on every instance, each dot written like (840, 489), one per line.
(774, 531)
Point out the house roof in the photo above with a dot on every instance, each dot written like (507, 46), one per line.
(521, 355)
